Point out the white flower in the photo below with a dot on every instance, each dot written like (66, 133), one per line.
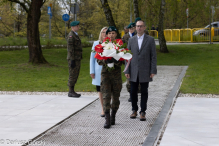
(104, 44)
(109, 46)
(126, 56)
(110, 65)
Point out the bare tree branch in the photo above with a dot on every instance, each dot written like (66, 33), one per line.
(6, 27)
(21, 3)
(44, 1)
(27, 2)
(58, 28)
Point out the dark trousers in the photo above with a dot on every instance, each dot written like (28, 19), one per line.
(144, 95)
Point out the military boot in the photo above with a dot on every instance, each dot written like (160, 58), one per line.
(113, 117)
(72, 92)
(107, 123)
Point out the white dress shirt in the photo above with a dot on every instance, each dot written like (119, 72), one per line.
(76, 33)
(140, 40)
(130, 34)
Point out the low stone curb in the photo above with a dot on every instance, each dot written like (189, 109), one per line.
(156, 130)
(12, 48)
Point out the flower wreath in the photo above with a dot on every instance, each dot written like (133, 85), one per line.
(113, 49)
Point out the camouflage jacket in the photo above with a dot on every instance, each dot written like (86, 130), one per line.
(74, 47)
(117, 67)
(125, 38)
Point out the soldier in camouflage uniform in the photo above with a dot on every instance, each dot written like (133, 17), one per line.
(125, 39)
(74, 57)
(111, 84)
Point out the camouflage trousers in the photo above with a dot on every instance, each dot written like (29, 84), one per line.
(73, 72)
(111, 86)
(128, 86)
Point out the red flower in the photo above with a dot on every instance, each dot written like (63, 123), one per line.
(99, 48)
(97, 56)
(107, 38)
(121, 59)
(119, 42)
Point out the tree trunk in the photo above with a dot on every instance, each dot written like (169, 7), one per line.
(136, 12)
(33, 38)
(162, 41)
(108, 14)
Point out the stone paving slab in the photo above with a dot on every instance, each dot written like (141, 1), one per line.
(86, 126)
(23, 117)
(194, 122)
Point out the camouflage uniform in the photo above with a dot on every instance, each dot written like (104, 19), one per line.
(125, 39)
(111, 85)
(74, 53)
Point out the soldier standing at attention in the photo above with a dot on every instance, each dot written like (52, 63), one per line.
(74, 57)
(131, 33)
(111, 84)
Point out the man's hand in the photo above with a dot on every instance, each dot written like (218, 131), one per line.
(92, 76)
(152, 75)
(73, 64)
(127, 76)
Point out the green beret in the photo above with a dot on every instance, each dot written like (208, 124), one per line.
(137, 19)
(74, 23)
(132, 24)
(111, 28)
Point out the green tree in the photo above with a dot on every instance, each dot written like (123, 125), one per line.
(108, 14)
(136, 12)
(162, 41)
(32, 8)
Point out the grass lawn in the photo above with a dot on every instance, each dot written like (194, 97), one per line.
(17, 75)
(22, 41)
(202, 76)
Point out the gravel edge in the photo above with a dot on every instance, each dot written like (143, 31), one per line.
(45, 93)
(199, 95)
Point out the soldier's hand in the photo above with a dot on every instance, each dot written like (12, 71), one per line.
(108, 61)
(114, 60)
(73, 64)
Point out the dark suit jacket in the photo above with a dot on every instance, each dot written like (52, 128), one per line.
(144, 61)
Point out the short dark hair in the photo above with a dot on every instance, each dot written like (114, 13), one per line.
(141, 21)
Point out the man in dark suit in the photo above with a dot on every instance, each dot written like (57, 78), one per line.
(142, 68)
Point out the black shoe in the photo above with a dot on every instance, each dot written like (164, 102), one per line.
(130, 100)
(103, 115)
(113, 117)
(107, 123)
(74, 95)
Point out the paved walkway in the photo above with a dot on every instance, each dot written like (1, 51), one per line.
(194, 122)
(40, 117)
(23, 117)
